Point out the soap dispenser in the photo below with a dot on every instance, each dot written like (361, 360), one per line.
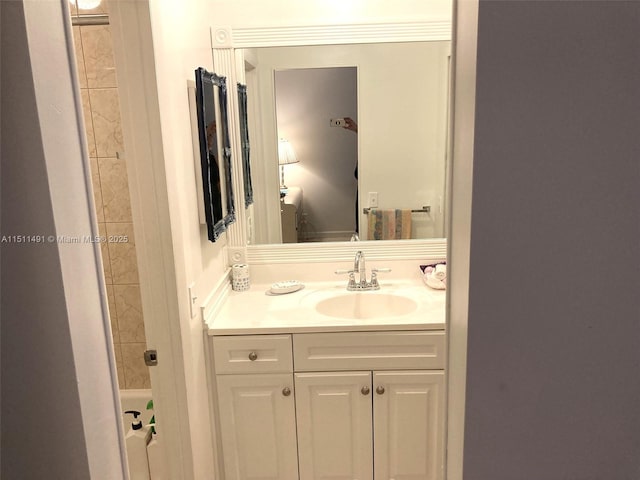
(136, 441)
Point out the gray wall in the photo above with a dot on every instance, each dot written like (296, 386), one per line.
(553, 381)
(42, 434)
(59, 408)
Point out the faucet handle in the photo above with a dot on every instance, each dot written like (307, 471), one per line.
(344, 270)
(374, 276)
(352, 277)
(381, 270)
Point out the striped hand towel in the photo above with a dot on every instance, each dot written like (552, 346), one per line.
(389, 224)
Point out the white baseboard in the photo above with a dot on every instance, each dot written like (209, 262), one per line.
(329, 236)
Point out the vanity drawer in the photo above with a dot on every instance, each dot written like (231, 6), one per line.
(315, 352)
(253, 354)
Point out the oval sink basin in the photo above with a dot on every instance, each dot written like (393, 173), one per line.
(363, 305)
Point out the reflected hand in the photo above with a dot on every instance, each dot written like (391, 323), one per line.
(211, 134)
(350, 124)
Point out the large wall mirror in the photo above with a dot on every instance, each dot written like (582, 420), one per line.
(368, 124)
(302, 85)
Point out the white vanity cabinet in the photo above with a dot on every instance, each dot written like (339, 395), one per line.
(388, 425)
(254, 379)
(408, 419)
(335, 432)
(257, 420)
(384, 421)
(343, 405)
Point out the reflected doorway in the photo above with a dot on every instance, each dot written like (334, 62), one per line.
(317, 113)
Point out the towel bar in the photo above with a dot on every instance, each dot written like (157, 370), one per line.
(424, 209)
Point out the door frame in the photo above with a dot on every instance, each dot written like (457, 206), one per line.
(139, 106)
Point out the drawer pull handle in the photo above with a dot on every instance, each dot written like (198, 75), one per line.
(253, 356)
(380, 390)
(365, 390)
(286, 391)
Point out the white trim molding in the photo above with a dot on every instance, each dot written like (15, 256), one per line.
(221, 37)
(215, 300)
(225, 38)
(224, 64)
(434, 249)
(461, 187)
(437, 30)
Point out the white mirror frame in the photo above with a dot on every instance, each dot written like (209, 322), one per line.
(225, 41)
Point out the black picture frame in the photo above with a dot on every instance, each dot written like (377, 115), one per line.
(215, 152)
(246, 147)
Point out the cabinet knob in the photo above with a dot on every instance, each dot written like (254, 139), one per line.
(253, 356)
(380, 390)
(365, 390)
(286, 391)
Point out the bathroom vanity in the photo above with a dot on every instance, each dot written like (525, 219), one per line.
(314, 385)
(326, 383)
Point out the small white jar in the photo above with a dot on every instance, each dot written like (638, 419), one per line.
(240, 277)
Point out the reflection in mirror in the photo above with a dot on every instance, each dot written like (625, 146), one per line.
(215, 152)
(311, 107)
(244, 142)
(396, 94)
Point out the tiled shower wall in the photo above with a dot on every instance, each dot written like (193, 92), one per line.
(96, 69)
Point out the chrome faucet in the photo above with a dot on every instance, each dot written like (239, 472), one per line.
(359, 267)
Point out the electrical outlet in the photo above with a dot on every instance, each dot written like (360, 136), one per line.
(338, 122)
(373, 199)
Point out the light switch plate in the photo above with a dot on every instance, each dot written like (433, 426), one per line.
(193, 301)
(373, 199)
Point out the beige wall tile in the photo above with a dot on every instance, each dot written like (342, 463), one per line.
(122, 253)
(97, 189)
(122, 383)
(88, 122)
(98, 56)
(115, 189)
(129, 308)
(101, 108)
(105, 113)
(106, 260)
(77, 43)
(113, 315)
(136, 373)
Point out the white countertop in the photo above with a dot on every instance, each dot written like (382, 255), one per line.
(255, 312)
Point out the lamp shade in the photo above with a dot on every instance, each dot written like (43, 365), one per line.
(286, 154)
(86, 4)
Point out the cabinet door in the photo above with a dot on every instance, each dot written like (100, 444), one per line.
(408, 410)
(258, 426)
(334, 425)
